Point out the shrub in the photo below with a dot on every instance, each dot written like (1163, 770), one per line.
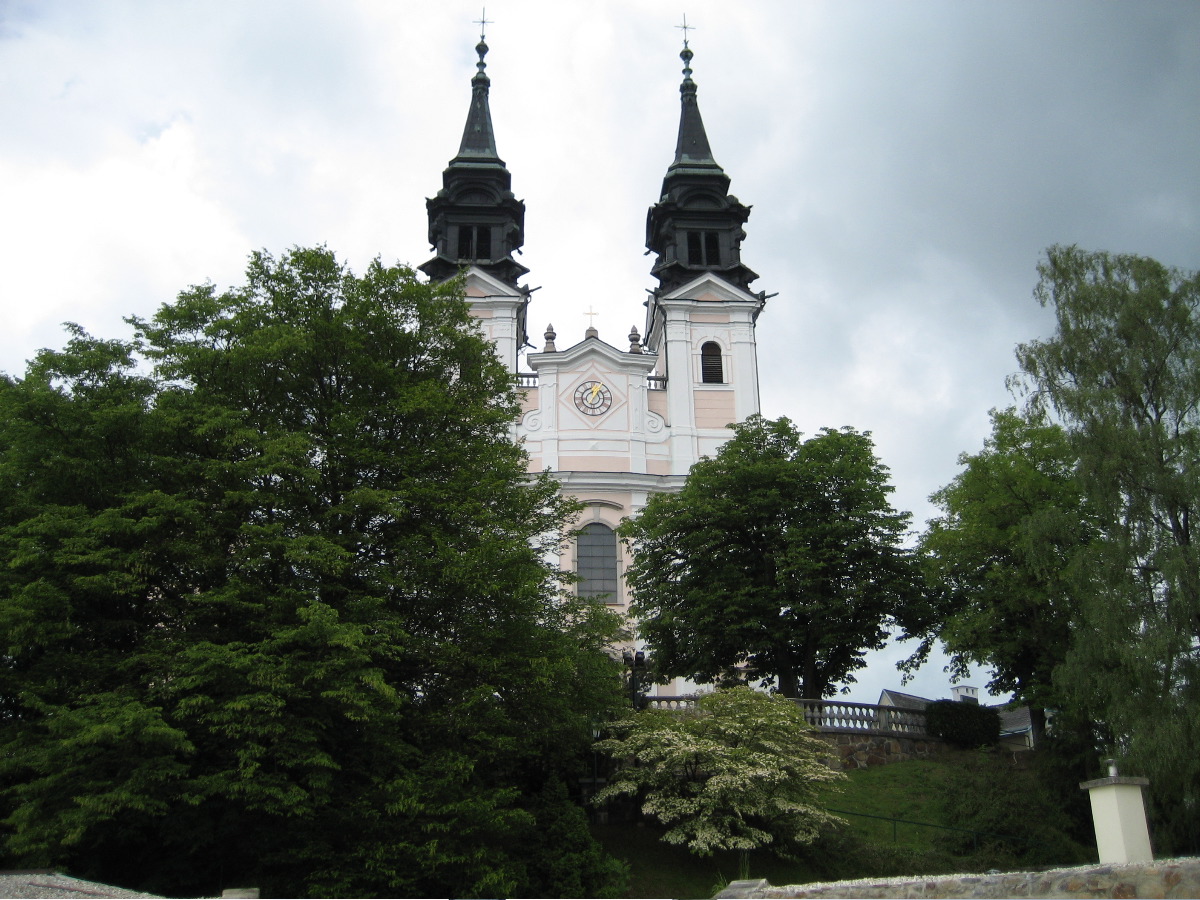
(1016, 821)
(963, 724)
(740, 771)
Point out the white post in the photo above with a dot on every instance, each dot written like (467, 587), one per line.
(1119, 817)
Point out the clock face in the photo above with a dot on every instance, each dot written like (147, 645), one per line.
(593, 398)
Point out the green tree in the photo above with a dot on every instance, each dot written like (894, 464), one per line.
(274, 606)
(739, 772)
(1122, 372)
(779, 560)
(1001, 561)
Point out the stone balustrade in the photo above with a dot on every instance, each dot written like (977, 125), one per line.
(859, 735)
(670, 703)
(866, 718)
(836, 717)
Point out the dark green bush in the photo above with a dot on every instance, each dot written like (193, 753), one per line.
(963, 724)
(1009, 817)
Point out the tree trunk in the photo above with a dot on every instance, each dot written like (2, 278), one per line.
(813, 688)
(789, 684)
(1037, 725)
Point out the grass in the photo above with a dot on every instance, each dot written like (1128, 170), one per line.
(658, 869)
(906, 790)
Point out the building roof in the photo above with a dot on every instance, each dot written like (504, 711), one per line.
(902, 700)
(479, 140)
(691, 147)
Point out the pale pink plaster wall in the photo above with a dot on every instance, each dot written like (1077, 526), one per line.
(593, 463)
(714, 409)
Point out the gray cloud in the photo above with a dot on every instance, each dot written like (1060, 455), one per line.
(907, 164)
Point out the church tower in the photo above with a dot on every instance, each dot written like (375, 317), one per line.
(614, 424)
(696, 226)
(476, 224)
(700, 321)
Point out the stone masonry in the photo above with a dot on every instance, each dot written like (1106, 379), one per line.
(1162, 878)
(860, 750)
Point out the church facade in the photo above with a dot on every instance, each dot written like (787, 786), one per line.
(613, 424)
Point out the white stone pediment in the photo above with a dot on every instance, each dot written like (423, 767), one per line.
(593, 352)
(712, 288)
(479, 285)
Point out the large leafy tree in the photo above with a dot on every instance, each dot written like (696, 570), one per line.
(740, 771)
(274, 604)
(1001, 561)
(780, 561)
(1122, 372)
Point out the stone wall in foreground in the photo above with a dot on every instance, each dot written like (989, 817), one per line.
(1162, 878)
(860, 750)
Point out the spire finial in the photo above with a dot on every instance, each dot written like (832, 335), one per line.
(483, 22)
(686, 53)
(482, 48)
(685, 27)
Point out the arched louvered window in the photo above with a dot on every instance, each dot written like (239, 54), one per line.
(596, 562)
(711, 371)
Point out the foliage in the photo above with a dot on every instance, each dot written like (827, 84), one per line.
(916, 791)
(779, 560)
(1000, 562)
(1122, 372)
(965, 725)
(1016, 822)
(561, 857)
(741, 771)
(274, 595)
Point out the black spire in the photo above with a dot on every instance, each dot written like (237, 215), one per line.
(475, 220)
(478, 141)
(696, 226)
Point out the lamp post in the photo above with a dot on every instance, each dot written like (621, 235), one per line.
(635, 663)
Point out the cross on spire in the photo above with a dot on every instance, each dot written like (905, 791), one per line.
(483, 22)
(591, 314)
(685, 28)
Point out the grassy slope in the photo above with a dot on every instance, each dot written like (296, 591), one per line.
(907, 790)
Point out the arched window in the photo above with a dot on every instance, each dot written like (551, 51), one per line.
(596, 562)
(711, 371)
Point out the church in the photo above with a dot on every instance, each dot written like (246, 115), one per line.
(614, 424)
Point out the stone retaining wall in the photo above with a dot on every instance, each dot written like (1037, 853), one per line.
(1162, 878)
(860, 750)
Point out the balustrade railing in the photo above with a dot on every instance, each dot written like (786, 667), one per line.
(527, 379)
(832, 715)
(656, 382)
(670, 703)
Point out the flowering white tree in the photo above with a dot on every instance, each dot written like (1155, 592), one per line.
(739, 772)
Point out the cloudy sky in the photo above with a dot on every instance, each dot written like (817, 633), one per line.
(907, 164)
